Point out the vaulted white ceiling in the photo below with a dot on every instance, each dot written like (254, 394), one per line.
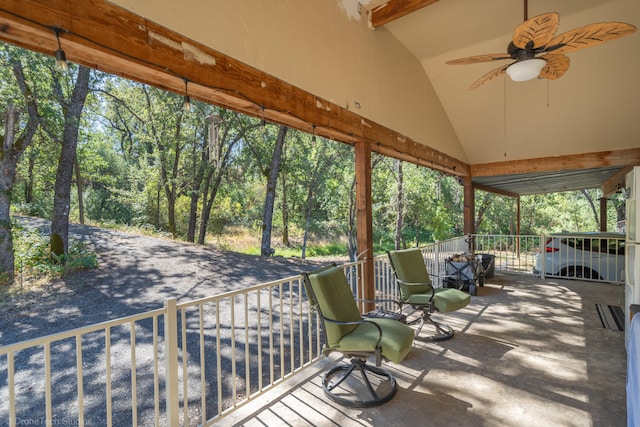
(594, 107)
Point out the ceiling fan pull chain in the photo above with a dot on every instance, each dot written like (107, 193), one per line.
(504, 79)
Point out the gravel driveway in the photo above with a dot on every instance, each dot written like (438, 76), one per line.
(135, 274)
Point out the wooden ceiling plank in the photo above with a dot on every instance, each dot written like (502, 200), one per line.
(101, 35)
(394, 9)
(621, 158)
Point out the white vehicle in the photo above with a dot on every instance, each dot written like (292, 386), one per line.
(597, 256)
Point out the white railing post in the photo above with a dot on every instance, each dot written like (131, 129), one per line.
(543, 255)
(171, 361)
(436, 254)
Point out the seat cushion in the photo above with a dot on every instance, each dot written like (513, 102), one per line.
(444, 300)
(397, 339)
(447, 300)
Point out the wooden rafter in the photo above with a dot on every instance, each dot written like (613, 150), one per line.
(101, 35)
(628, 157)
(394, 9)
(490, 189)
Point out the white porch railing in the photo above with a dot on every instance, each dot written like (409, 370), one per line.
(513, 253)
(93, 375)
(195, 362)
(185, 364)
(573, 256)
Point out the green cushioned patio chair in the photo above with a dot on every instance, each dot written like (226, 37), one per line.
(417, 291)
(356, 384)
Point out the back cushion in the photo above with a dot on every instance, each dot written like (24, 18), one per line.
(409, 267)
(335, 301)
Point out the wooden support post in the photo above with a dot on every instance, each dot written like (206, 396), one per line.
(364, 220)
(469, 206)
(603, 214)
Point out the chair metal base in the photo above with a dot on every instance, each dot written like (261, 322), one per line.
(441, 332)
(359, 385)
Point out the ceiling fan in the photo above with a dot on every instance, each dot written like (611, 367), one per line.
(537, 53)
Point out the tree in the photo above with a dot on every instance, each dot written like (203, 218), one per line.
(592, 205)
(320, 164)
(267, 223)
(285, 211)
(72, 110)
(234, 129)
(14, 142)
(202, 157)
(399, 203)
(165, 129)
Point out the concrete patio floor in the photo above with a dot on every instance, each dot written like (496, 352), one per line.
(527, 352)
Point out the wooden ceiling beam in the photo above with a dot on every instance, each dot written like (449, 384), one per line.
(490, 189)
(101, 35)
(394, 9)
(628, 157)
(616, 183)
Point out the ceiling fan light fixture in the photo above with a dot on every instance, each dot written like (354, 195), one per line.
(528, 69)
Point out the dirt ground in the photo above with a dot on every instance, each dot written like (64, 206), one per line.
(135, 274)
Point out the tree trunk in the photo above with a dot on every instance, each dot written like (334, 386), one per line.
(193, 214)
(28, 188)
(208, 205)
(8, 164)
(307, 221)
(157, 213)
(169, 185)
(169, 193)
(80, 188)
(285, 216)
(59, 240)
(12, 149)
(594, 210)
(10, 152)
(482, 209)
(209, 196)
(399, 199)
(267, 223)
(195, 196)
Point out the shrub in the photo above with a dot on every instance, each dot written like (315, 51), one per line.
(34, 259)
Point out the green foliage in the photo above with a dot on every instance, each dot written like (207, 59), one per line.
(318, 250)
(34, 258)
(142, 159)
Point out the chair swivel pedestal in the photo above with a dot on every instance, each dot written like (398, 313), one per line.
(442, 331)
(369, 386)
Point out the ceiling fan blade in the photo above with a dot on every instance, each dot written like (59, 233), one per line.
(491, 75)
(479, 58)
(557, 65)
(589, 35)
(539, 30)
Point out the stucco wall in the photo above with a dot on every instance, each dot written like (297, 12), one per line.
(322, 46)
